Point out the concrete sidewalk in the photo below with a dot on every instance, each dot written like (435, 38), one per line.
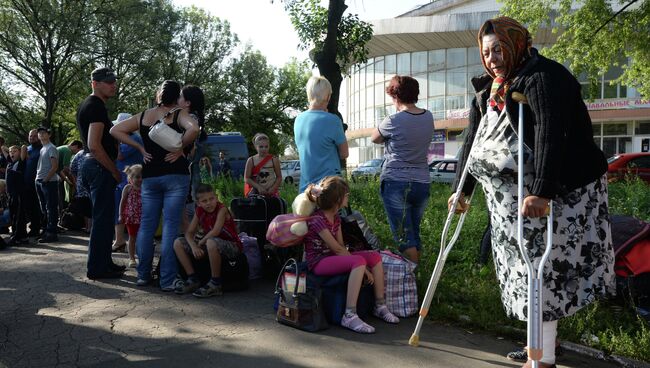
(51, 315)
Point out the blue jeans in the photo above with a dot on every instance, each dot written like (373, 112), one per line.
(48, 195)
(101, 185)
(405, 203)
(164, 194)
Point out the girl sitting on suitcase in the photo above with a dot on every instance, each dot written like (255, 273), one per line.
(327, 256)
(262, 174)
(220, 239)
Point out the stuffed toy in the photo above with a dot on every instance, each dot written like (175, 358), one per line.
(301, 206)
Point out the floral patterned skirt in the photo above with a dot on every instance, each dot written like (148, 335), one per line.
(580, 267)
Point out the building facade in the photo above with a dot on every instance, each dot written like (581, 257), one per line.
(436, 44)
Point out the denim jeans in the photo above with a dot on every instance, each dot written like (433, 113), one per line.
(405, 203)
(164, 194)
(48, 195)
(101, 185)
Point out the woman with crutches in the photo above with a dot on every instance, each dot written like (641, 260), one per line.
(561, 165)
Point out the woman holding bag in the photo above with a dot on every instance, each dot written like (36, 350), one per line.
(166, 179)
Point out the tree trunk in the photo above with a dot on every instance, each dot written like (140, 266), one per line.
(326, 58)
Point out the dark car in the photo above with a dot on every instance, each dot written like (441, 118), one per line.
(634, 164)
(368, 169)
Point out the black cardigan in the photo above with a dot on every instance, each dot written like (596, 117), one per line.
(557, 127)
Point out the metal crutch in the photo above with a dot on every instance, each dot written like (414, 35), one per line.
(442, 257)
(535, 276)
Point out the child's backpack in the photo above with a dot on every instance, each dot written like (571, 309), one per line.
(631, 241)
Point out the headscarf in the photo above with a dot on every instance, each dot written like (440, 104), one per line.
(515, 42)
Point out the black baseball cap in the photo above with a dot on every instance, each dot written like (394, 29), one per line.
(43, 129)
(103, 75)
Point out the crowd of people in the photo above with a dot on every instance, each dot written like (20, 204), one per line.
(153, 184)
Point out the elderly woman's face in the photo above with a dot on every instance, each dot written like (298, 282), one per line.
(492, 55)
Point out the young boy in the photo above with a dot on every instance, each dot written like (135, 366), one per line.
(220, 239)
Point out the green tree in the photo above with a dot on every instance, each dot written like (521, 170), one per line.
(266, 99)
(335, 41)
(595, 36)
(42, 48)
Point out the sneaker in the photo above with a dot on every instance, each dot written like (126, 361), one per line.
(142, 282)
(356, 324)
(176, 283)
(48, 238)
(208, 290)
(186, 287)
(132, 263)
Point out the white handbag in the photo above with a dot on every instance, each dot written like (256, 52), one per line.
(165, 136)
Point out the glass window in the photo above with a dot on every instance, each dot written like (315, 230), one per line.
(437, 107)
(436, 60)
(380, 114)
(622, 91)
(616, 129)
(419, 62)
(609, 147)
(370, 118)
(379, 71)
(370, 73)
(362, 77)
(472, 72)
(404, 64)
(455, 102)
(437, 83)
(362, 99)
(642, 127)
(624, 144)
(455, 135)
(422, 84)
(456, 58)
(456, 81)
(390, 65)
(613, 72)
(610, 90)
(370, 97)
(380, 94)
(473, 56)
(596, 128)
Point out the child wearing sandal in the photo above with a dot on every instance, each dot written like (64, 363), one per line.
(327, 256)
(131, 207)
(220, 239)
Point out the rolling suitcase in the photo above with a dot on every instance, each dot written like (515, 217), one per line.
(253, 216)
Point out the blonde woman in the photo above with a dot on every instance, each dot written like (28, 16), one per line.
(319, 136)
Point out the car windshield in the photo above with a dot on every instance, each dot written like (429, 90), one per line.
(371, 163)
(612, 159)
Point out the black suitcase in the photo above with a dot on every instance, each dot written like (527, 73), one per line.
(253, 216)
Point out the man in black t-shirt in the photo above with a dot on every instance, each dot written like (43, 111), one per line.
(99, 172)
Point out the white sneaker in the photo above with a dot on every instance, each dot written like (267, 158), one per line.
(132, 263)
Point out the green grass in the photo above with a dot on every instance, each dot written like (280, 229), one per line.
(468, 294)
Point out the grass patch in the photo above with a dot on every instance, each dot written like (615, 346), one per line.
(468, 294)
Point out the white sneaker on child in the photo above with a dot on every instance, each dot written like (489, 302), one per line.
(132, 263)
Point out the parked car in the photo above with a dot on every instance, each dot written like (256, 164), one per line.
(368, 169)
(290, 171)
(635, 164)
(443, 171)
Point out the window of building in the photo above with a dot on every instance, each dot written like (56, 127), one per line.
(404, 64)
(455, 135)
(419, 62)
(436, 60)
(370, 72)
(390, 65)
(422, 84)
(642, 127)
(473, 56)
(437, 83)
(617, 129)
(455, 102)
(379, 70)
(456, 57)
(380, 94)
(456, 81)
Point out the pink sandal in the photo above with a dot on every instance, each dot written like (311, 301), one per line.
(354, 323)
(383, 313)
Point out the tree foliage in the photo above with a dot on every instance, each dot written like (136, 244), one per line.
(593, 36)
(264, 98)
(336, 41)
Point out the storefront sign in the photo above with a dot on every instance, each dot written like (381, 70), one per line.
(617, 104)
(458, 114)
(439, 135)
